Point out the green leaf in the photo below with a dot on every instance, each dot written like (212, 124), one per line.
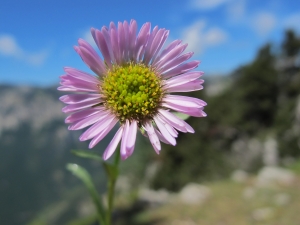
(85, 177)
(181, 115)
(87, 154)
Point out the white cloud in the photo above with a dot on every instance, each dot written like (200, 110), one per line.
(206, 4)
(200, 38)
(292, 21)
(236, 10)
(263, 23)
(9, 47)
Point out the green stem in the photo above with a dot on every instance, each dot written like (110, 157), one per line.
(112, 178)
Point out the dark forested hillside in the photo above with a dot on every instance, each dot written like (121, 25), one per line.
(261, 103)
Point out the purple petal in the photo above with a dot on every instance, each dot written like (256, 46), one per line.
(188, 127)
(183, 68)
(181, 103)
(114, 42)
(95, 64)
(91, 51)
(171, 130)
(156, 47)
(123, 149)
(121, 38)
(161, 137)
(79, 106)
(132, 38)
(107, 38)
(101, 43)
(81, 75)
(171, 46)
(131, 138)
(200, 102)
(172, 54)
(83, 114)
(189, 111)
(184, 78)
(101, 135)
(88, 121)
(172, 120)
(187, 87)
(174, 63)
(73, 82)
(153, 137)
(126, 47)
(164, 131)
(113, 144)
(78, 98)
(141, 41)
(148, 55)
(97, 127)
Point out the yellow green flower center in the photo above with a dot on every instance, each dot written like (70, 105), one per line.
(132, 91)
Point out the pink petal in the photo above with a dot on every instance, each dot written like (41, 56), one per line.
(181, 103)
(164, 52)
(188, 127)
(83, 114)
(72, 82)
(113, 144)
(107, 38)
(88, 120)
(79, 106)
(172, 54)
(153, 137)
(175, 125)
(131, 138)
(141, 40)
(126, 47)
(185, 78)
(164, 131)
(114, 42)
(147, 56)
(91, 59)
(101, 43)
(123, 149)
(186, 98)
(185, 127)
(97, 127)
(81, 75)
(121, 39)
(186, 110)
(101, 135)
(155, 49)
(187, 87)
(174, 63)
(132, 38)
(78, 98)
(183, 68)
(161, 137)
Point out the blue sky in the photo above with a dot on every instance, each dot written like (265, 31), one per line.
(37, 36)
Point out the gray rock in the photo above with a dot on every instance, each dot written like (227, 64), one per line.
(282, 199)
(263, 214)
(239, 176)
(193, 194)
(154, 197)
(270, 176)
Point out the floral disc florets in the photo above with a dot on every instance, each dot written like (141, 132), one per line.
(132, 92)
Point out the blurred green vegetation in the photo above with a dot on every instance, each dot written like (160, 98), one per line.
(260, 101)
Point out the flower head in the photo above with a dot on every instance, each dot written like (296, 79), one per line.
(132, 86)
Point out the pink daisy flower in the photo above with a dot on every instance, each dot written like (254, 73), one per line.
(133, 85)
